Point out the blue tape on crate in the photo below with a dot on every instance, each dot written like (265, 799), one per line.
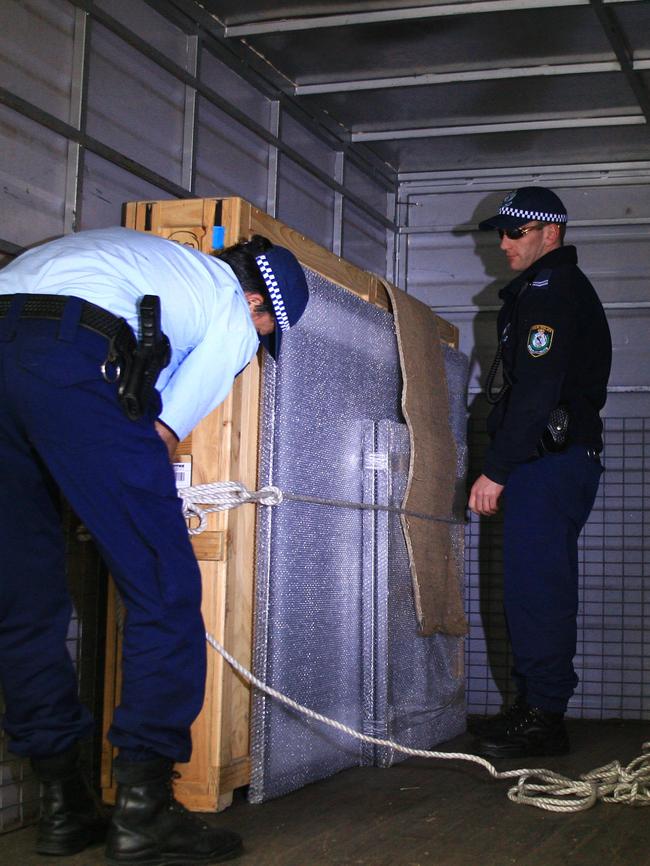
(218, 237)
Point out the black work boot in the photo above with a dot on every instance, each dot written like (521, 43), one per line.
(149, 827)
(529, 732)
(71, 815)
(492, 725)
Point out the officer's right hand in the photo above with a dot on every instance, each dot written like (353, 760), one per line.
(484, 496)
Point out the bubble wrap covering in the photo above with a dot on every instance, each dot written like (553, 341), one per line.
(335, 625)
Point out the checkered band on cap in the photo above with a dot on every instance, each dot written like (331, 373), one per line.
(274, 291)
(506, 210)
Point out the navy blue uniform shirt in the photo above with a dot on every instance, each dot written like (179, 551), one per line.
(556, 349)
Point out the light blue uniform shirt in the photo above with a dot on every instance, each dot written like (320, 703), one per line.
(204, 310)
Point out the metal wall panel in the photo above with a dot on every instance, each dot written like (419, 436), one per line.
(105, 188)
(42, 74)
(149, 25)
(304, 203)
(33, 172)
(465, 202)
(234, 88)
(446, 269)
(230, 160)
(134, 106)
(305, 143)
(364, 242)
(365, 187)
(630, 330)
(617, 259)
(454, 264)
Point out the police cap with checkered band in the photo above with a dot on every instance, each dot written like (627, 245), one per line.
(525, 205)
(287, 288)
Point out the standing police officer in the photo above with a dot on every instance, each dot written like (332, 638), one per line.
(546, 435)
(79, 411)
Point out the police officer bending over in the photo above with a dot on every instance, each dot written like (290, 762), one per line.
(546, 434)
(81, 347)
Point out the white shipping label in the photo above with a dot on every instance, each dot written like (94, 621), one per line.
(183, 472)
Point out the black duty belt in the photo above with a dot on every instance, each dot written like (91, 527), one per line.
(592, 453)
(52, 306)
(133, 364)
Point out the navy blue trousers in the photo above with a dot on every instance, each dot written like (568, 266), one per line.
(547, 502)
(61, 426)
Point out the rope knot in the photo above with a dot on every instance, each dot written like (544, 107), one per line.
(203, 499)
(270, 495)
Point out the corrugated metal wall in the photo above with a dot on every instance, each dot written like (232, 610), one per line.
(121, 104)
(459, 270)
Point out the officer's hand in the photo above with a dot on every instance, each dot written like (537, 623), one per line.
(168, 437)
(484, 496)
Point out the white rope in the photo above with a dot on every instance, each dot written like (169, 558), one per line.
(544, 789)
(541, 788)
(220, 496)
(202, 499)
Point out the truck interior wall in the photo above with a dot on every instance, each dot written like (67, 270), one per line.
(460, 271)
(452, 266)
(300, 195)
(116, 77)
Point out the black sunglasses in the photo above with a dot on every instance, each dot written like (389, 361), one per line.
(517, 234)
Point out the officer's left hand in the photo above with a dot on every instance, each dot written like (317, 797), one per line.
(484, 496)
(168, 437)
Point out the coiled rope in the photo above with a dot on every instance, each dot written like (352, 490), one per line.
(543, 789)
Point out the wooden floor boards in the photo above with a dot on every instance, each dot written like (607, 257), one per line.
(422, 813)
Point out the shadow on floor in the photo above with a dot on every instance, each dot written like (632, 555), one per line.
(426, 812)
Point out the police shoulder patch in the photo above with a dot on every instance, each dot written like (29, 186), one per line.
(540, 340)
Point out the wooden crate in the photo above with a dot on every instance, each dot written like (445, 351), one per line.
(192, 222)
(224, 447)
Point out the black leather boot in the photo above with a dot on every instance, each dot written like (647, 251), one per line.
(482, 727)
(71, 815)
(530, 732)
(149, 827)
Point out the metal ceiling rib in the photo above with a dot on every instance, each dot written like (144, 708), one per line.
(622, 51)
(435, 10)
(433, 78)
(487, 128)
(413, 81)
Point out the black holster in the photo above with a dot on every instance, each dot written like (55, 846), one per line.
(554, 437)
(142, 366)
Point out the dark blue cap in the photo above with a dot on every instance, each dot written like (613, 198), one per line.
(287, 289)
(525, 204)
